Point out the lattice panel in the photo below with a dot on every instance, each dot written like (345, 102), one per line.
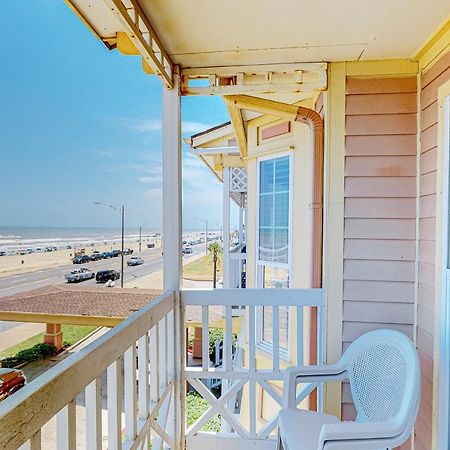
(238, 180)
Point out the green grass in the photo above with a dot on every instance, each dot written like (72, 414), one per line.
(195, 407)
(202, 269)
(71, 334)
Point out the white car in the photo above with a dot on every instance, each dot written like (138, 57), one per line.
(78, 275)
(135, 261)
(187, 251)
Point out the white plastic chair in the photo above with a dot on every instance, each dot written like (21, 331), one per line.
(384, 373)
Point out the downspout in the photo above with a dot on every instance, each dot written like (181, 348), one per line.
(315, 123)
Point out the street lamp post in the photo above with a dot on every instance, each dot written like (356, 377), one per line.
(140, 235)
(120, 210)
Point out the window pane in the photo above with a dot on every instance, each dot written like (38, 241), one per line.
(267, 324)
(266, 176)
(274, 210)
(266, 244)
(282, 174)
(281, 207)
(266, 210)
(281, 246)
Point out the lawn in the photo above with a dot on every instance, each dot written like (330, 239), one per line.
(71, 334)
(202, 269)
(195, 407)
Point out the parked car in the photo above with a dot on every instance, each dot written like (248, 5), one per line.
(127, 251)
(50, 249)
(187, 251)
(2, 253)
(81, 259)
(11, 380)
(106, 255)
(78, 275)
(116, 253)
(95, 256)
(135, 261)
(105, 275)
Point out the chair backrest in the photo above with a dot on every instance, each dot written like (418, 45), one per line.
(384, 374)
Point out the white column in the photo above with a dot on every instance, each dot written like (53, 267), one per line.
(171, 159)
(241, 221)
(172, 239)
(226, 227)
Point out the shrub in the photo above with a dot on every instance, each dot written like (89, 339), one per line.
(45, 350)
(38, 351)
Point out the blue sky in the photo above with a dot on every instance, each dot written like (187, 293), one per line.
(79, 124)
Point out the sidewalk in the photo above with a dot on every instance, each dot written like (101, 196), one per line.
(20, 333)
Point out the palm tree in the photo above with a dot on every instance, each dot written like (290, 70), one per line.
(215, 249)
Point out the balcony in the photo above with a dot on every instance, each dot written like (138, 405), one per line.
(127, 389)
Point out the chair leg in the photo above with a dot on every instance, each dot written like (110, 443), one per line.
(279, 443)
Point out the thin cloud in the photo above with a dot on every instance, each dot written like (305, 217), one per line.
(151, 125)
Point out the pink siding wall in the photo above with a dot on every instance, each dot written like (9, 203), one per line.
(431, 80)
(380, 209)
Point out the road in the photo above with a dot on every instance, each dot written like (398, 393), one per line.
(23, 282)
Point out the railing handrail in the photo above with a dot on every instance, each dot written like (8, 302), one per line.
(29, 409)
(253, 297)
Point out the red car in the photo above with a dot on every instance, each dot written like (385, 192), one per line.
(11, 380)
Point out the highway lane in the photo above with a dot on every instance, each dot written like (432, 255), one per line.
(23, 282)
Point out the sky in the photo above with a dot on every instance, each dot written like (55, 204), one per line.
(80, 124)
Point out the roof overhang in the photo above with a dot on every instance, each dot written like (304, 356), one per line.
(199, 37)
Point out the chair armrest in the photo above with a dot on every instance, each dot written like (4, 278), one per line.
(305, 374)
(346, 432)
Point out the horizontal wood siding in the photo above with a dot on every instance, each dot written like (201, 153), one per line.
(380, 209)
(431, 80)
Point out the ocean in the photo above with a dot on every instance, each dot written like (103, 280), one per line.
(19, 238)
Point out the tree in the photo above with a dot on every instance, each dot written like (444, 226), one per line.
(215, 249)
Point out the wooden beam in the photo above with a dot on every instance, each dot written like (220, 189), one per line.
(238, 126)
(147, 42)
(66, 319)
(263, 106)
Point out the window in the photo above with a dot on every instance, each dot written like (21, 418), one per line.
(273, 255)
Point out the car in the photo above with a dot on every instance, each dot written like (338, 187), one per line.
(11, 380)
(135, 261)
(81, 259)
(116, 253)
(2, 253)
(95, 256)
(77, 275)
(106, 255)
(187, 251)
(105, 275)
(127, 251)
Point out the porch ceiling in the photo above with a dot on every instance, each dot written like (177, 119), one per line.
(201, 33)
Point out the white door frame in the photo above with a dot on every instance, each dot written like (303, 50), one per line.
(444, 313)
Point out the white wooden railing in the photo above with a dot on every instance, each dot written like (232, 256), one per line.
(126, 390)
(237, 263)
(136, 362)
(249, 430)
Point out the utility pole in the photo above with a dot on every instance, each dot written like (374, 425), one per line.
(121, 256)
(140, 238)
(122, 212)
(206, 237)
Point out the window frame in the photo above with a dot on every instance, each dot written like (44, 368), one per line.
(285, 353)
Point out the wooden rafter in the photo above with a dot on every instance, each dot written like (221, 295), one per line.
(141, 33)
(238, 126)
